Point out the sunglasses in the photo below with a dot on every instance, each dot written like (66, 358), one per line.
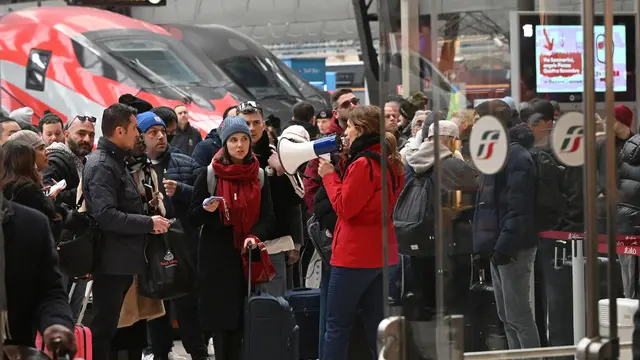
(348, 103)
(249, 107)
(81, 118)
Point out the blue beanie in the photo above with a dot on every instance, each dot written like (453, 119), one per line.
(233, 125)
(147, 120)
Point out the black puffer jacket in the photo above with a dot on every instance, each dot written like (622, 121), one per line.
(207, 148)
(628, 214)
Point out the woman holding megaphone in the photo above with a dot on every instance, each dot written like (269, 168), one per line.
(232, 203)
(356, 275)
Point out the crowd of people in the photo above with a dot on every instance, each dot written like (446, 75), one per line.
(152, 170)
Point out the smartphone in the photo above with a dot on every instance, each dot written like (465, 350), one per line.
(62, 184)
(172, 221)
(208, 200)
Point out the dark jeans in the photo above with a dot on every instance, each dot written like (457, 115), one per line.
(349, 290)
(559, 294)
(324, 289)
(108, 296)
(161, 331)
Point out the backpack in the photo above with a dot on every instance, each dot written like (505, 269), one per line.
(212, 180)
(551, 202)
(414, 217)
(321, 239)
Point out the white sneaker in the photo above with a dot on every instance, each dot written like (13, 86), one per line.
(147, 357)
(210, 350)
(173, 356)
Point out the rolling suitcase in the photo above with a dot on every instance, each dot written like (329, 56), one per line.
(270, 329)
(306, 309)
(486, 331)
(82, 333)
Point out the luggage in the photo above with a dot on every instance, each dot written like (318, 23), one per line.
(82, 334)
(270, 330)
(306, 309)
(486, 331)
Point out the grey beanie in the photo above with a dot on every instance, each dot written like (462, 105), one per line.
(232, 125)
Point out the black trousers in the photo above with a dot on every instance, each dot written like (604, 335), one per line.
(161, 331)
(108, 296)
(228, 345)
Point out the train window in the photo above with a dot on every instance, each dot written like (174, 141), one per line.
(96, 64)
(308, 91)
(37, 69)
(254, 74)
(156, 56)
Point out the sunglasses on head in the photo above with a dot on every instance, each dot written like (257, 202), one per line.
(82, 118)
(249, 107)
(348, 103)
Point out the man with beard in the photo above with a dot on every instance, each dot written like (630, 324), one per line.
(66, 162)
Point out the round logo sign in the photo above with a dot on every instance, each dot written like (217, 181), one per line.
(567, 139)
(489, 145)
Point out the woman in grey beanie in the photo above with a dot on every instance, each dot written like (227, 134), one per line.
(241, 215)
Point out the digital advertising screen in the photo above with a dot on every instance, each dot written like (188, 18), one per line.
(559, 50)
(551, 49)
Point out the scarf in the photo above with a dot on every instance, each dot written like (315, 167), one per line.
(360, 144)
(239, 185)
(4, 315)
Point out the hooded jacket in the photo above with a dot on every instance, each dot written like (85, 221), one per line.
(63, 165)
(207, 148)
(504, 217)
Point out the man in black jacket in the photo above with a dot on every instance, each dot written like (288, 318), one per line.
(176, 174)
(304, 115)
(35, 296)
(186, 137)
(66, 162)
(113, 200)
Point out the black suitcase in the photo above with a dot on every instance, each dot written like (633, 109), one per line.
(270, 330)
(306, 309)
(483, 326)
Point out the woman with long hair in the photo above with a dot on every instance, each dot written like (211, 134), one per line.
(228, 227)
(357, 259)
(22, 183)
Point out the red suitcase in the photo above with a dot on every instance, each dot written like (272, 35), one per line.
(82, 333)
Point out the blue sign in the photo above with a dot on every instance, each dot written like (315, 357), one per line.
(310, 69)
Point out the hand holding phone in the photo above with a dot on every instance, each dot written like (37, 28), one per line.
(208, 200)
(57, 187)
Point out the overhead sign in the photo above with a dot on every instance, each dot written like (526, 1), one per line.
(488, 145)
(567, 139)
(124, 2)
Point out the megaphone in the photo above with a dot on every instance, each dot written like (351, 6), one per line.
(293, 154)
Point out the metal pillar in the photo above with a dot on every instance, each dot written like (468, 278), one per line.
(410, 31)
(369, 56)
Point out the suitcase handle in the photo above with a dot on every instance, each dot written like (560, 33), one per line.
(250, 263)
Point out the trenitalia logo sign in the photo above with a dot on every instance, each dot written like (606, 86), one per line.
(490, 139)
(488, 145)
(571, 142)
(123, 2)
(566, 139)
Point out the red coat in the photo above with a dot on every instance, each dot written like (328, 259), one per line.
(357, 200)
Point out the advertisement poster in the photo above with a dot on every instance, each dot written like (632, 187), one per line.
(559, 50)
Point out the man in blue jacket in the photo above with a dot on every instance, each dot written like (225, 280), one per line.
(503, 227)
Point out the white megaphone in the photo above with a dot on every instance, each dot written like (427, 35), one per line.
(293, 154)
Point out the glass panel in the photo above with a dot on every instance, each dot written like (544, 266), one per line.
(37, 69)
(491, 220)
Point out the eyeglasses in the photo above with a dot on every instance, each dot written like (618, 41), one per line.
(248, 107)
(347, 104)
(81, 118)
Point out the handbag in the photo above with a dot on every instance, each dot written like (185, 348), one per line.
(170, 272)
(259, 270)
(78, 242)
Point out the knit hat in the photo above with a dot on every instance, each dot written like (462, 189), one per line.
(22, 116)
(624, 115)
(29, 137)
(136, 103)
(148, 119)
(407, 109)
(233, 125)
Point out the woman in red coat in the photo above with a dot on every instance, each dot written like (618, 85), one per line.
(357, 260)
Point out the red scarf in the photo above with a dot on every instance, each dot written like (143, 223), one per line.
(240, 187)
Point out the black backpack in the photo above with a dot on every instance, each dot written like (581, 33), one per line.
(551, 202)
(414, 218)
